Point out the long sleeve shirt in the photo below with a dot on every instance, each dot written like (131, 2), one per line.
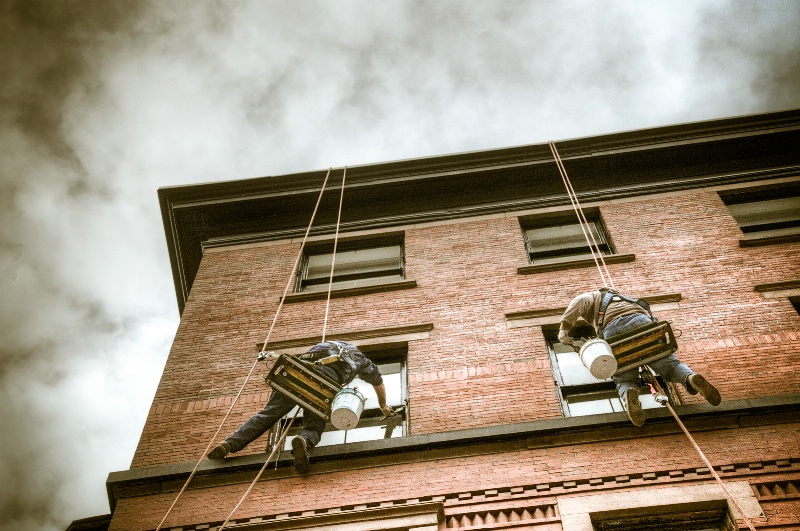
(587, 306)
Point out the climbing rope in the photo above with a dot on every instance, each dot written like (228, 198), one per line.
(598, 259)
(333, 258)
(697, 447)
(255, 363)
(582, 221)
(277, 447)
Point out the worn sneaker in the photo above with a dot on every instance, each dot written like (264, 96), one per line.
(708, 391)
(634, 407)
(220, 451)
(300, 451)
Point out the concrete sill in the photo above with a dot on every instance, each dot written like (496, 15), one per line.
(532, 269)
(770, 239)
(350, 292)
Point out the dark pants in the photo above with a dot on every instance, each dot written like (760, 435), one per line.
(669, 368)
(277, 406)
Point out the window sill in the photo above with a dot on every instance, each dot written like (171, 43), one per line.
(532, 269)
(350, 292)
(360, 338)
(551, 316)
(758, 240)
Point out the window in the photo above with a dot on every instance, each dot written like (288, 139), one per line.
(581, 393)
(795, 301)
(772, 213)
(703, 516)
(358, 263)
(392, 364)
(554, 239)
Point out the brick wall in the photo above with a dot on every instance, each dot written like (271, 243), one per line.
(475, 370)
(536, 475)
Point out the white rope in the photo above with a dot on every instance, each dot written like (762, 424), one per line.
(278, 445)
(702, 455)
(582, 221)
(333, 258)
(255, 363)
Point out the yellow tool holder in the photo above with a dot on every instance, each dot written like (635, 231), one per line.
(643, 345)
(298, 380)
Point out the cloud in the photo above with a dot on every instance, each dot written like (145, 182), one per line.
(103, 102)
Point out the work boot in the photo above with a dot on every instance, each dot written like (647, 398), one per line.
(300, 451)
(708, 391)
(220, 451)
(634, 407)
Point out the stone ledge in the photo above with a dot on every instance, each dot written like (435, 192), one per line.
(350, 292)
(357, 337)
(573, 264)
(463, 443)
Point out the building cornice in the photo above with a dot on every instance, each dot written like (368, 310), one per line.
(464, 185)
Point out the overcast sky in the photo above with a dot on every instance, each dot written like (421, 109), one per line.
(102, 102)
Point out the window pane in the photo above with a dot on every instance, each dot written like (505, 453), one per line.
(360, 261)
(573, 372)
(393, 385)
(581, 407)
(598, 402)
(567, 236)
(775, 211)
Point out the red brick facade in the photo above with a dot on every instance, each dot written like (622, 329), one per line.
(476, 369)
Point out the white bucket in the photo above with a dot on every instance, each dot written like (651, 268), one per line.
(596, 355)
(348, 404)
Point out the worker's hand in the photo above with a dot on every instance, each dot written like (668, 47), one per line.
(387, 411)
(564, 338)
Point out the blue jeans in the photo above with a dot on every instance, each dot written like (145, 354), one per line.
(671, 369)
(277, 406)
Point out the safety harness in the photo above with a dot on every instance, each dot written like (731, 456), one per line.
(338, 351)
(613, 296)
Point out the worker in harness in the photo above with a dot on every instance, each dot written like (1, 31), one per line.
(611, 314)
(343, 362)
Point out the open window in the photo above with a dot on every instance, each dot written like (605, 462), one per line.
(391, 360)
(363, 262)
(770, 215)
(581, 393)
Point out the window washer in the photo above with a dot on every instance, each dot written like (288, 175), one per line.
(351, 364)
(612, 314)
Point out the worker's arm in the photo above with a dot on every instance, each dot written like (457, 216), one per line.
(380, 390)
(580, 306)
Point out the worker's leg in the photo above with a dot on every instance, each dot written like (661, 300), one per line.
(628, 382)
(671, 369)
(313, 426)
(277, 406)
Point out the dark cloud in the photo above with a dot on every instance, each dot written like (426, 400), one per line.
(752, 51)
(104, 101)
